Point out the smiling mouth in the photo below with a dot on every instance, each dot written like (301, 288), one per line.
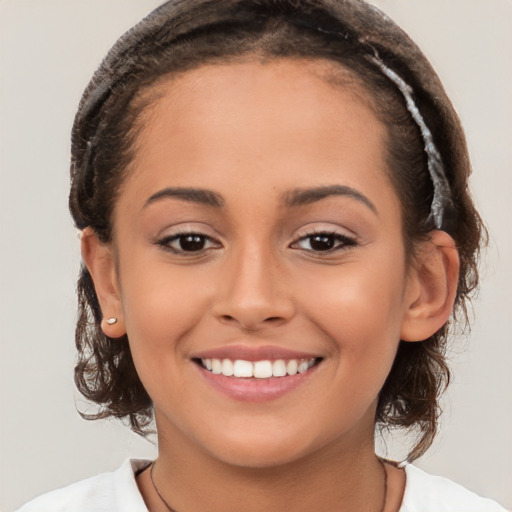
(264, 369)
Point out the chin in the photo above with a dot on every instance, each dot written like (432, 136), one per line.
(259, 457)
(263, 449)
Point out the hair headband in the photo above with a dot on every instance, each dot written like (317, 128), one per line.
(442, 193)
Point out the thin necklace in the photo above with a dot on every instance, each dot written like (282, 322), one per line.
(170, 509)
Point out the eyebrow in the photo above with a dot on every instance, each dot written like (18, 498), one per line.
(194, 195)
(300, 197)
(297, 197)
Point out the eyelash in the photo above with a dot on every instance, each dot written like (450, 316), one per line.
(177, 237)
(337, 240)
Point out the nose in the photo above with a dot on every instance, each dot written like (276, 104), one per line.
(253, 293)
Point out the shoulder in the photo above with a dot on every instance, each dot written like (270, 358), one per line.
(116, 491)
(425, 493)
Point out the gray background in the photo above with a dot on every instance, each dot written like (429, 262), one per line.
(48, 51)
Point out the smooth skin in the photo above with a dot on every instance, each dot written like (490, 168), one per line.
(256, 139)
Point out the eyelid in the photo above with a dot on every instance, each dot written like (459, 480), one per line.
(318, 228)
(175, 234)
(347, 241)
(186, 228)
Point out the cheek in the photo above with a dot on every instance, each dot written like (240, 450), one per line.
(361, 314)
(162, 309)
(358, 296)
(361, 319)
(161, 304)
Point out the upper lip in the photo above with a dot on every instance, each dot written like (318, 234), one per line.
(253, 353)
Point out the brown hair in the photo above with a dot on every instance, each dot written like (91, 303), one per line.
(182, 35)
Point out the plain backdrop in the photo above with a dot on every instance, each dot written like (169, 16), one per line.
(48, 51)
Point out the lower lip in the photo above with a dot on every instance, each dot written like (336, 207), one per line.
(256, 390)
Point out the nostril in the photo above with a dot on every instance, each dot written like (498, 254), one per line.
(251, 324)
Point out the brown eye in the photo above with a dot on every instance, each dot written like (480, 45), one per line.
(188, 243)
(324, 242)
(191, 243)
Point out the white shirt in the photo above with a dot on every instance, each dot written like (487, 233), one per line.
(118, 492)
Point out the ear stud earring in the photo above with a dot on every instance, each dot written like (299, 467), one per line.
(112, 321)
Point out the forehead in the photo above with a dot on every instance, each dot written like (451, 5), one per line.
(276, 97)
(280, 124)
(321, 80)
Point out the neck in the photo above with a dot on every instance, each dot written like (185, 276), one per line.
(335, 478)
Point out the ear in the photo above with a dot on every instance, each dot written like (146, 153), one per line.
(431, 287)
(100, 262)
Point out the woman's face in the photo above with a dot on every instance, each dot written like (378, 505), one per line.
(258, 233)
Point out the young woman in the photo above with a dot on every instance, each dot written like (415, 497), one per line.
(276, 231)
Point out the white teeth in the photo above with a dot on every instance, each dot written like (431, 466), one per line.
(258, 369)
(303, 366)
(262, 369)
(216, 366)
(279, 368)
(227, 368)
(291, 367)
(242, 368)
